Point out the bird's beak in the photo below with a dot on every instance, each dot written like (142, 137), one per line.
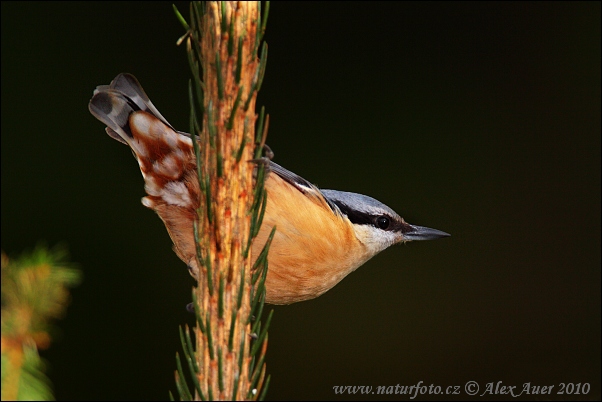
(422, 233)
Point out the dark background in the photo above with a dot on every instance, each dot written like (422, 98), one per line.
(482, 120)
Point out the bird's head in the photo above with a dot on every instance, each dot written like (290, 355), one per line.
(376, 225)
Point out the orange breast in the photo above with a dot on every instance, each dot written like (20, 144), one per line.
(312, 250)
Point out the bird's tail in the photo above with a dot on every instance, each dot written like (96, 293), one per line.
(165, 156)
(114, 103)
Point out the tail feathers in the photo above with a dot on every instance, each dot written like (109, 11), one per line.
(113, 109)
(113, 104)
(129, 86)
(165, 156)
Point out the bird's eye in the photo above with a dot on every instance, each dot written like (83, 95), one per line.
(383, 222)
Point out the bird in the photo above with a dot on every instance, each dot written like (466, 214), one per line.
(321, 235)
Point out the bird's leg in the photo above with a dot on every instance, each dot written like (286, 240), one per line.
(268, 155)
(267, 152)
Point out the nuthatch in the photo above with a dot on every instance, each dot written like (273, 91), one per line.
(321, 235)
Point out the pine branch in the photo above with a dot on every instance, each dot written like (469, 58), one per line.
(223, 41)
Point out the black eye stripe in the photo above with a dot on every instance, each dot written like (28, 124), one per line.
(363, 218)
(359, 218)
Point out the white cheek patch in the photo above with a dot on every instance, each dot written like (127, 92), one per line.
(374, 239)
(176, 193)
